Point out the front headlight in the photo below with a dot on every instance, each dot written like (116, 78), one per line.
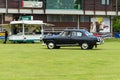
(100, 39)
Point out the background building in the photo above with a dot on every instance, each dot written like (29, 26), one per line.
(62, 13)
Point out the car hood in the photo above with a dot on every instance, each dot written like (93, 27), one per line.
(92, 36)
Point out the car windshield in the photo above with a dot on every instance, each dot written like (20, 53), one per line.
(88, 33)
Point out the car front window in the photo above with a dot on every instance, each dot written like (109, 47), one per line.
(76, 34)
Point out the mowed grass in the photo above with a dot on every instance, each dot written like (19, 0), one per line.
(36, 62)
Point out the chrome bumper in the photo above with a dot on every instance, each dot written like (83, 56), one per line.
(101, 42)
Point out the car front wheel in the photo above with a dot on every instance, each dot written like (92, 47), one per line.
(91, 46)
(57, 47)
(50, 45)
(84, 46)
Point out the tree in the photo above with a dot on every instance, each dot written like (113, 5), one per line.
(116, 24)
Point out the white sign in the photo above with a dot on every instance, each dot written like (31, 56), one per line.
(32, 4)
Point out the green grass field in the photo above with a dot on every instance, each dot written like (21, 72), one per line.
(36, 62)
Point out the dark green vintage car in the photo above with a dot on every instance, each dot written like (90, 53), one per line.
(73, 37)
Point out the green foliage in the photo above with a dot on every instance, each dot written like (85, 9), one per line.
(116, 24)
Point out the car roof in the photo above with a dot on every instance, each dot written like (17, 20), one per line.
(82, 30)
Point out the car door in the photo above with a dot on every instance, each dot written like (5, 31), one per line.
(64, 38)
(77, 37)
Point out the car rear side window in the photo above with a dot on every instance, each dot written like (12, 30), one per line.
(66, 34)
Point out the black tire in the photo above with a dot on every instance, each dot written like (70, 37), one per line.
(84, 46)
(57, 47)
(51, 45)
(33, 42)
(90, 46)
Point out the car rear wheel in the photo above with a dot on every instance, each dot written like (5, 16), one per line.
(51, 45)
(84, 46)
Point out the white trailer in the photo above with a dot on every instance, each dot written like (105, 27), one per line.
(26, 31)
